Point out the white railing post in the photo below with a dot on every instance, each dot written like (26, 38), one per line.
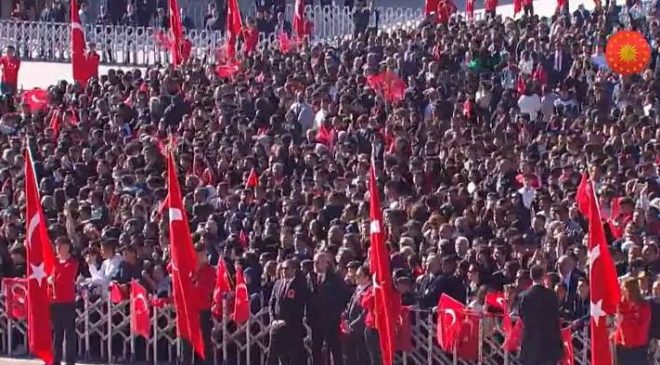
(109, 319)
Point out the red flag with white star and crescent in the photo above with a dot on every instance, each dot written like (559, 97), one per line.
(603, 283)
(379, 261)
(183, 263)
(40, 261)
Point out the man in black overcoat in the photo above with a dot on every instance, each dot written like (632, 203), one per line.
(539, 310)
(287, 310)
(327, 303)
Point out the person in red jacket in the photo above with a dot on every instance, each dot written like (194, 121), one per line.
(9, 65)
(445, 10)
(203, 283)
(528, 7)
(633, 323)
(63, 302)
(491, 7)
(92, 61)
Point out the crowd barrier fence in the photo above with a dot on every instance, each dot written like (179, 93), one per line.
(104, 335)
(138, 46)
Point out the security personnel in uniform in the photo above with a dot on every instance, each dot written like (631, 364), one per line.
(287, 309)
(63, 302)
(203, 283)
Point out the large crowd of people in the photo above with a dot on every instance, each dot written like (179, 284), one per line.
(478, 162)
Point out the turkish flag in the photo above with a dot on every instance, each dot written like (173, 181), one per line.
(561, 4)
(176, 33)
(234, 27)
(389, 84)
(385, 303)
(243, 239)
(567, 338)
(40, 261)
(183, 263)
(78, 60)
(469, 8)
(430, 6)
(451, 313)
(287, 44)
(517, 6)
(56, 121)
(242, 300)
(36, 99)
(117, 295)
(299, 19)
(520, 85)
(15, 291)
(227, 71)
(325, 135)
(512, 335)
(222, 286)
(251, 39)
(604, 292)
(582, 196)
(512, 332)
(140, 319)
(496, 300)
(468, 340)
(252, 180)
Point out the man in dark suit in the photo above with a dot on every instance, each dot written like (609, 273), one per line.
(560, 63)
(327, 303)
(444, 282)
(355, 346)
(569, 275)
(539, 311)
(287, 309)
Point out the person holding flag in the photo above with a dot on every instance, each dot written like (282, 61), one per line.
(203, 284)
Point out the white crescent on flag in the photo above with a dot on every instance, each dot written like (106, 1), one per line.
(500, 301)
(37, 100)
(32, 225)
(452, 314)
(77, 26)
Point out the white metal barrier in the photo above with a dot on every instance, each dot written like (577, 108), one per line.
(138, 46)
(104, 334)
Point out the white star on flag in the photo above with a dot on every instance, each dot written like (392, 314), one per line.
(175, 214)
(374, 227)
(596, 311)
(38, 273)
(593, 255)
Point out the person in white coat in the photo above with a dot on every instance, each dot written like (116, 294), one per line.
(101, 276)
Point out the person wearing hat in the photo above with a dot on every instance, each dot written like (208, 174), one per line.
(63, 302)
